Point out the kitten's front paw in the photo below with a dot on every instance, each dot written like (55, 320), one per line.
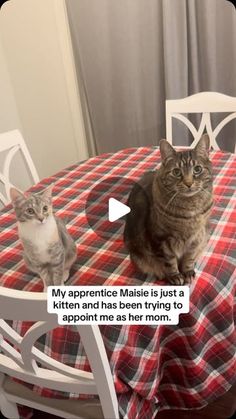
(176, 279)
(189, 275)
(65, 275)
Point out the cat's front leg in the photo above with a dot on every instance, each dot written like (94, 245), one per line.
(170, 262)
(58, 274)
(57, 264)
(187, 268)
(44, 274)
(187, 263)
(172, 272)
(41, 270)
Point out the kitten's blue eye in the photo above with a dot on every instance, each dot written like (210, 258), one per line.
(176, 172)
(45, 208)
(197, 170)
(30, 211)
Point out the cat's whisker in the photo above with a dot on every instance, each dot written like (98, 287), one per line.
(205, 190)
(215, 200)
(207, 193)
(171, 199)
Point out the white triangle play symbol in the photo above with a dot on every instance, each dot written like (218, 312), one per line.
(116, 209)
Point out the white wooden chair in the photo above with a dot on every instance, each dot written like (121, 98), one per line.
(10, 143)
(204, 103)
(22, 364)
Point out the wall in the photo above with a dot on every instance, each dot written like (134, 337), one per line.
(37, 48)
(9, 117)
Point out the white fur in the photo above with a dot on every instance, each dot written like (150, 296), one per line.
(40, 234)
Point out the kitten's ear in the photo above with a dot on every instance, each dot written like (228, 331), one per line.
(14, 194)
(47, 193)
(166, 150)
(203, 145)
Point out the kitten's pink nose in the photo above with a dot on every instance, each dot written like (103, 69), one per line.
(41, 218)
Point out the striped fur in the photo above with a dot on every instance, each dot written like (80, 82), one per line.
(167, 227)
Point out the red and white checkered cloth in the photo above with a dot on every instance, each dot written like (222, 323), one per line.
(154, 367)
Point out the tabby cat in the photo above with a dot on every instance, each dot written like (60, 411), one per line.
(167, 227)
(49, 250)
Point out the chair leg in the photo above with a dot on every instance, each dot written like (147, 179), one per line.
(7, 408)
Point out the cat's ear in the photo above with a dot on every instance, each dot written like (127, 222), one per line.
(203, 145)
(166, 150)
(47, 193)
(14, 194)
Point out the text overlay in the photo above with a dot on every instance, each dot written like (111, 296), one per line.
(118, 304)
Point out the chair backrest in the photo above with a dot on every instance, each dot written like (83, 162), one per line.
(204, 103)
(10, 143)
(22, 363)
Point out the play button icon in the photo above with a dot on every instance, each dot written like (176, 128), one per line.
(106, 207)
(116, 209)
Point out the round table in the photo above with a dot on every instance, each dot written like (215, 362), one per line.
(154, 367)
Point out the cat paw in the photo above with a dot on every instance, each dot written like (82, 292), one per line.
(65, 276)
(189, 275)
(176, 279)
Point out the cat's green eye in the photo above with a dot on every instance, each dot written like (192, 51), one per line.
(30, 211)
(45, 208)
(176, 172)
(197, 170)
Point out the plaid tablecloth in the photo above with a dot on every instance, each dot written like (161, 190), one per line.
(154, 367)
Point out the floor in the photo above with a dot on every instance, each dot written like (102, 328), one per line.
(222, 408)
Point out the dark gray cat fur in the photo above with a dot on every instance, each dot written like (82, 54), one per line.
(167, 228)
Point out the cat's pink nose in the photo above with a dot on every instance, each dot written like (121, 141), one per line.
(40, 218)
(188, 182)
